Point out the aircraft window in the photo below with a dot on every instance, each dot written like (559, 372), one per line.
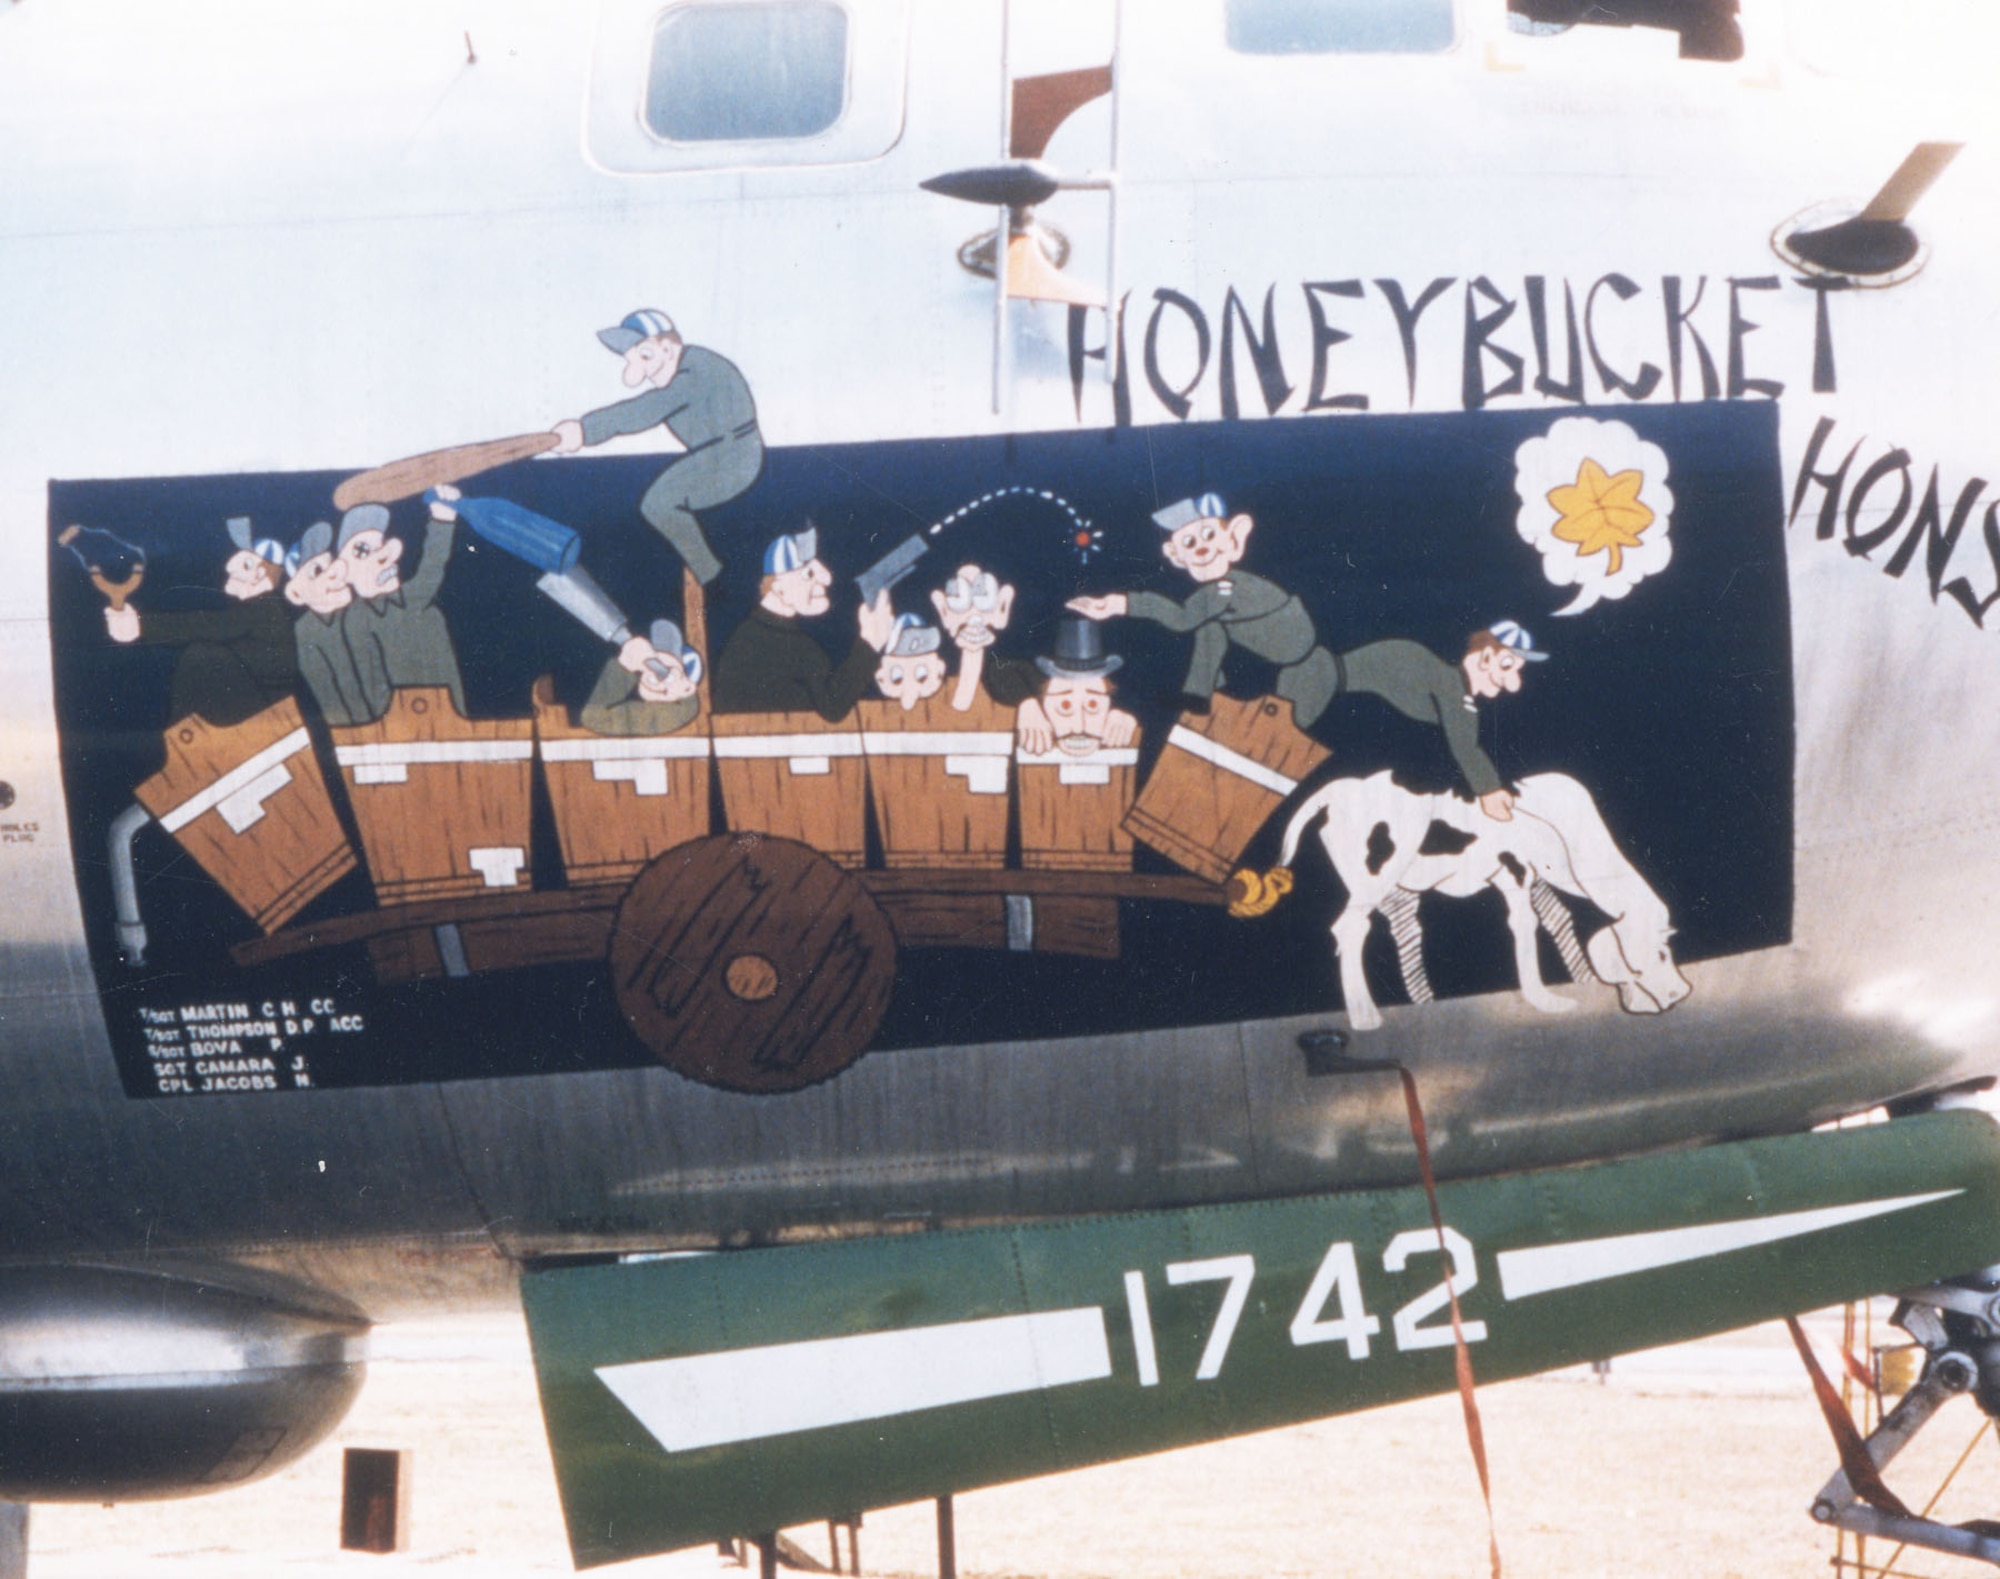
(1708, 29)
(748, 71)
(1339, 27)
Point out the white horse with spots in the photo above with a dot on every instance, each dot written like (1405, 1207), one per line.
(1375, 834)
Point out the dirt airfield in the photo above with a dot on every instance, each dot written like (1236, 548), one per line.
(1696, 1463)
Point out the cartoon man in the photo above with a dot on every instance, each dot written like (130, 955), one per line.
(1074, 714)
(394, 628)
(912, 668)
(237, 660)
(316, 581)
(974, 607)
(1420, 685)
(657, 699)
(1229, 607)
(703, 401)
(769, 665)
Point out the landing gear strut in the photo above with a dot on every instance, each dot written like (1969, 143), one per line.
(1958, 1326)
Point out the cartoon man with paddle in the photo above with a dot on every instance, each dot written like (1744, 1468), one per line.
(704, 402)
(698, 396)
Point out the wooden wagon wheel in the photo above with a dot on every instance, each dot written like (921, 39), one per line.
(752, 963)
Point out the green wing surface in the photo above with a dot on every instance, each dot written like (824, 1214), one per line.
(728, 1394)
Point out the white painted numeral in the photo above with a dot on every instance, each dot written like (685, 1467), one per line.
(1238, 1270)
(1337, 1275)
(1464, 1275)
(1142, 1329)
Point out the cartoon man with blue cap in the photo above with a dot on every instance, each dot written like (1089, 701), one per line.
(912, 668)
(1230, 607)
(656, 699)
(703, 401)
(770, 665)
(236, 660)
(1422, 686)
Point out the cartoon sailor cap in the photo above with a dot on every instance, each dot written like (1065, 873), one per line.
(268, 549)
(912, 638)
(634, 327)
(666, 637)
(1516, 639)
(789, 552)
(1204, 507)
(362, 518)
(1079, 652)
(315, 540)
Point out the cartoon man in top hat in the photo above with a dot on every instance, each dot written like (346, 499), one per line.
(1074, 714)
(769, 665)
(237, 660)
(704, 402)
(1420, 685)
(656, 699)
(1229, 607)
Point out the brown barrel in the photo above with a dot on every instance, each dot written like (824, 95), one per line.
(794, 776)
(619, 800)
(1218, 781)
(939, 780)
(1073, 809)
(752, 963)
(441, 800)
(249, 802)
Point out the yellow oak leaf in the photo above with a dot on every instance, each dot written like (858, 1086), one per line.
(1601, 513)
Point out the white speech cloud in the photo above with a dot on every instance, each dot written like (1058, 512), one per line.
(1596, 506)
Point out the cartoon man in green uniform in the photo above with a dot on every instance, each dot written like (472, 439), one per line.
(237, 660)
(658, 698)
(1230, 607)
(770, 665)
(1421, 685)
(704, 402)
(394, 628)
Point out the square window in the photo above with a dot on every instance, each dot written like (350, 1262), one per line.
(1339, 27)
(746, 72)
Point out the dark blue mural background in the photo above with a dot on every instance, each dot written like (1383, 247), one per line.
(1673, 705)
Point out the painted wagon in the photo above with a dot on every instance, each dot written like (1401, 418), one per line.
(727, 874)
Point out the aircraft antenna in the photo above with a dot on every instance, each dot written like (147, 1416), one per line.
(1003, 361)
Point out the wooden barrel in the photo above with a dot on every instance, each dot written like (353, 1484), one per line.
(1073, 809)
(619, 800)
(939, 781)
(794, 776)
(752, 963)
(1218, 781)
(441, 800)
(250, 804)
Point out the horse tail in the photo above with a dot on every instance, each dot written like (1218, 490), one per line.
(1253, 893)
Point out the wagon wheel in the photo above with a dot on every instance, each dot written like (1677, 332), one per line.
(751, 963)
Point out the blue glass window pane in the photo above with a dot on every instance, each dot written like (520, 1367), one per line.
(745, 71)
(1339, 27)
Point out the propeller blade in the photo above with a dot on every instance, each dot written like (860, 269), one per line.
(1031, 277)
(1022, 184)
(1860, 248)
(1913, 178)
(1043, 103)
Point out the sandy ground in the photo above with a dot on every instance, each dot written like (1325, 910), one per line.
(1691, 1462)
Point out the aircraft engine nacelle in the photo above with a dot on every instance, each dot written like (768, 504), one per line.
(118, 1384)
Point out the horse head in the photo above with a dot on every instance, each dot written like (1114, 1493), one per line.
(1639, 961)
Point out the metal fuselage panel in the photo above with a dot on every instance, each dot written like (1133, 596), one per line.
(309, 272)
